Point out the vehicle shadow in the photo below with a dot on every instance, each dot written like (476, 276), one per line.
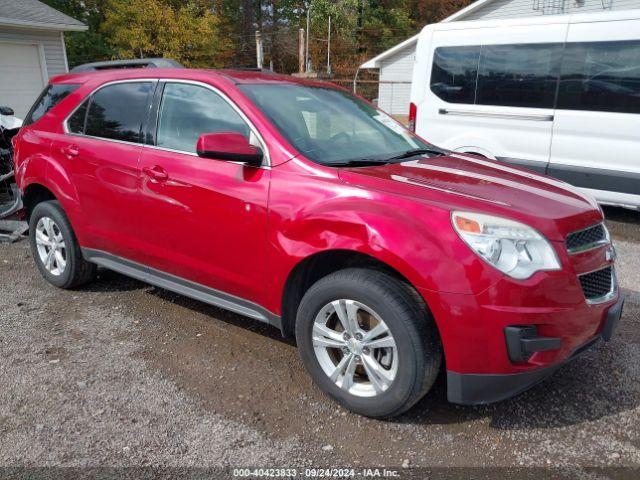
(623, 215)
(601, 383)
(623, 223)
(231, 318)
(110, 281)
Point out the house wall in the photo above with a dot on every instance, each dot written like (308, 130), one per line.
(51, 42)
(396, 71)
(500, 9)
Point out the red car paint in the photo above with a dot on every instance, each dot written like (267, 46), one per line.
(243, 230)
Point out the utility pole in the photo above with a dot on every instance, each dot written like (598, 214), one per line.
(306, 56)
(329, 48)
(301, 55)
(259, 52)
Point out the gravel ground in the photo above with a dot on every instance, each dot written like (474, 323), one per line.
(123, 374)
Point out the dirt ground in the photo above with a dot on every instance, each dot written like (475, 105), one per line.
(120, 373)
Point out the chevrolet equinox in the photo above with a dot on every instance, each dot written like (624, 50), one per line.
(299, 204)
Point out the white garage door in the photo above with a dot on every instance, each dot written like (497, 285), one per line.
(20, 76)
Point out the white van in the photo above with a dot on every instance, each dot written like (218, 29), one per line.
(557, 94)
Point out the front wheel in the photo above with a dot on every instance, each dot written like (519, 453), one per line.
(368, 341)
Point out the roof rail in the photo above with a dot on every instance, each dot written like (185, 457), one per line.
(251, 69)
(133, 63)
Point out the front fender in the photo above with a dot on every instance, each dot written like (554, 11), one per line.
(414, 238)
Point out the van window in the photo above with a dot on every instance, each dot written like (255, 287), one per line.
(519, 75)
(49, 98)
(118, 111)
(454, 72)
(601, 76)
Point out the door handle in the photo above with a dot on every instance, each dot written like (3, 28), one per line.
(70, 151)
(156, 173)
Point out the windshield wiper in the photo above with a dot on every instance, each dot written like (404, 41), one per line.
(360, 162)
(365, 162)
(418, 151)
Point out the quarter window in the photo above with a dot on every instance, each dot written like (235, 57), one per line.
(519, 75)
(49, 98)
(118, 111)
(454, 72)
(602, 76)
(187, 111)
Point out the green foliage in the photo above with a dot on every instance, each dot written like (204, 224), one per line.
(221, 33)
(186, 31)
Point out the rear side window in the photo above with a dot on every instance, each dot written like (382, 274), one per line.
(118, 111)
(49, 98)
(76, 121)
(601, 76)
(454, 73)
(519, 75)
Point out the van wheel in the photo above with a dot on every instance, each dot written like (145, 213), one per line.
(368, 341)
(55, 248)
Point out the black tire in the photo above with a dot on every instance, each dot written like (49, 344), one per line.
(77, 270)
(409, 321)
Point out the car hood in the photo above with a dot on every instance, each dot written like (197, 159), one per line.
(457, 181)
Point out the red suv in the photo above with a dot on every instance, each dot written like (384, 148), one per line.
(301, 205)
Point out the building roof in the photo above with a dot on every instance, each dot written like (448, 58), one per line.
(35, 14)
(375, 61)
(459, 15)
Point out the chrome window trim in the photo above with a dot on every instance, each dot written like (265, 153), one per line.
(65, 122)
(593, 245)
(607, 296)
(263, 145)
(124, 142)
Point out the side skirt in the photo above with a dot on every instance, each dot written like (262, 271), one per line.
(179, 285)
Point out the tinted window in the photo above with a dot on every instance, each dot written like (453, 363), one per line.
(118, 111)
(188, 111)
(76, 121)
(603, 76)
(330, 126)
(49, 98)
(454, 72)
(519, 75)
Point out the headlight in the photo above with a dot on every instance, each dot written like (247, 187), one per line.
(512, 247)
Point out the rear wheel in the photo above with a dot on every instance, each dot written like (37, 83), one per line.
(368, 341)
(55, 248)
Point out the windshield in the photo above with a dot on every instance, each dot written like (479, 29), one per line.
(331, 126)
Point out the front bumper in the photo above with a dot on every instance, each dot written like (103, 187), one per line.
(474, 389)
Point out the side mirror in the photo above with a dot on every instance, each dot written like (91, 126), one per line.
(230, 146)
(6, 111)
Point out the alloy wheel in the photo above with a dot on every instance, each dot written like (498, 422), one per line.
(51, 246)
(355, 348)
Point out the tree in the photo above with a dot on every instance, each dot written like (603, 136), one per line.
(221, 33)
(186, 31)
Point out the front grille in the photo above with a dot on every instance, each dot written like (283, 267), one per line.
(587, 238)
(598, 284)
